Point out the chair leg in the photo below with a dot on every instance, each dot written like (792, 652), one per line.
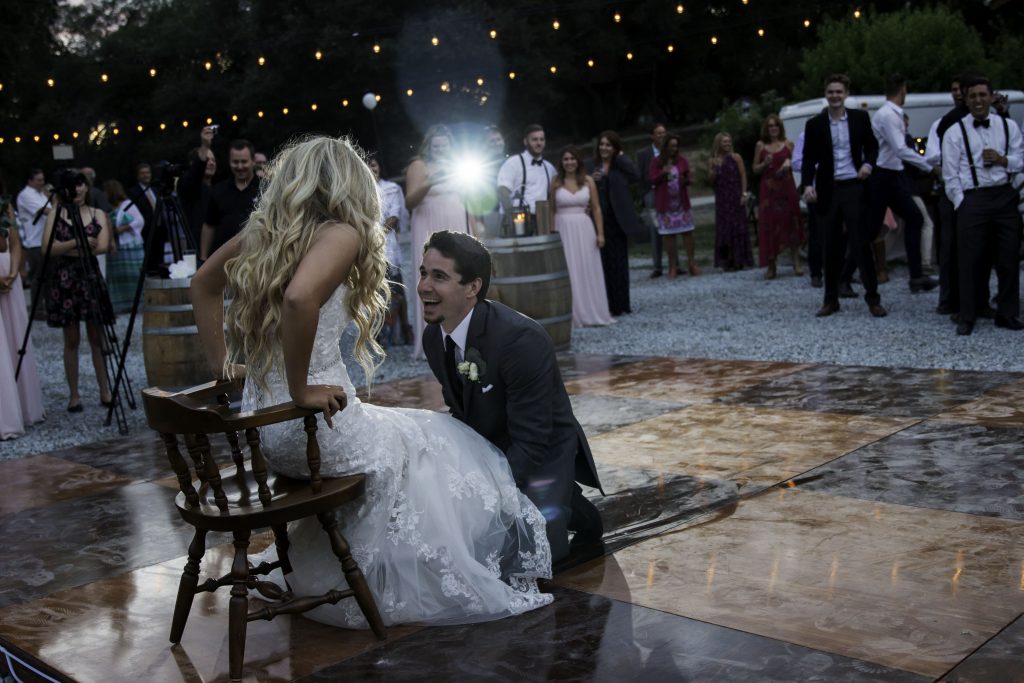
(282, 543)
(187, 585)
(353, 574)
(238, 607)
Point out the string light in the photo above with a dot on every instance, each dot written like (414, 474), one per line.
(50, 82)
(629, 56)
(184, 124)
(17, 139)
(480, 81)
(760, 33)
(409, 92)
(554, 69)
(714, 40)
(207, 65)
(139, 127)
(680, 9)
(163, 126)
(807, 23)
(745, 1)
(1, 87)
(511, 75)
(209, 121)
(1, 141)
(117, 131)
(435, 41)
(556, 24)
(344, 103)
(445, 87)
(376, 49)
(617, 17)
(259, 114)
(234, 117)
(75, 135)
(35, 138)
(671, 47)
(152, 72)
(284, 110)
(262, 60)
(856, 14)
(494, 34)
(104, 77)
(313, 107)
(377, 97)
(56, 137)
(318, 55)
(590, 63)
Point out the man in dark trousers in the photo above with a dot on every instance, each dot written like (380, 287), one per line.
(980, 153)
(643, 165)
(499, 375)
(839, 154)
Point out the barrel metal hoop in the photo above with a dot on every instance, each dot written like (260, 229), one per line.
(526, 279)
(168, 308)
(186, 329)
(524, 249)
(160, 283)
(567, 318)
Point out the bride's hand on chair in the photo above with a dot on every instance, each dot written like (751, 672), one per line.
(323, 397)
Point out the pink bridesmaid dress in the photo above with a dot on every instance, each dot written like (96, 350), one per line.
(579, 240)
(21, 402)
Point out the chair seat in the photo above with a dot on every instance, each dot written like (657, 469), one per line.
(291, 499)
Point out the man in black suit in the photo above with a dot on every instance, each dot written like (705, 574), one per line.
(643, 166)
(499, 375)
(144, 198)
(839, 153)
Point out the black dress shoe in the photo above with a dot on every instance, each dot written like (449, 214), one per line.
(585, 519)
(923, 284)
(827, 309)
(1009, 323)
(846, 291)
(77, 408)
(877, 310)
(965, 328)
(816, 281)
(655, 274)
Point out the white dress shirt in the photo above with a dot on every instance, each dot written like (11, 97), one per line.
(956, 168)
(933, 147)
(458, 336)
(887, 124)
(30, 200)
(128, 214)
(537, 182)
(842, 156)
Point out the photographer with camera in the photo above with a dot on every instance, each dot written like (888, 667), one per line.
(33, 205)
(231, 201)
(196, 182)
(69, 298)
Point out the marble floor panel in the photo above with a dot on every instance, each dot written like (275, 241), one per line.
(75, 542)
(585, 637)
(1000, 407)
(755, 447)
(140, 457)
(42, 480)
(871, 391)
(680, 380)
(1000, 659)
(117, 629)
(415, 392)
(908, 588)
(935, 464)
(598, 414)
(573, 365)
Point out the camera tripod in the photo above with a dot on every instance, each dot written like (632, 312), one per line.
(100, 311)
(168, 219)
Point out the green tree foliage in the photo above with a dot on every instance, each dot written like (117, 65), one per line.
(928, 46)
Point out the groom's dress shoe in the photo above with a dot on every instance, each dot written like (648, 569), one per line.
(1009, 323)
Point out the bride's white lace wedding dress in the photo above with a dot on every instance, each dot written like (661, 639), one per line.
(442, 534)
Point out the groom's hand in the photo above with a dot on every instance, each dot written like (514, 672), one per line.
(323, 397)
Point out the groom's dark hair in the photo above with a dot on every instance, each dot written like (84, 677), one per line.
(472, 260)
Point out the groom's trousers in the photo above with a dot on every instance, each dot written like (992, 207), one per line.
(550, 487)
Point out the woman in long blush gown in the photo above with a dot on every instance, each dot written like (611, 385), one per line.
(442, 534)
(572, 193)
(436, 204)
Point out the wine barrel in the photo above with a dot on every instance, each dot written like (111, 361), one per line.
(170, 339)
(529, 274)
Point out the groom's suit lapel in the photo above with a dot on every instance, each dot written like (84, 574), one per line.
(474, 340)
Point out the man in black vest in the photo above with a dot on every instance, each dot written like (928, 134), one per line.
(839, 153)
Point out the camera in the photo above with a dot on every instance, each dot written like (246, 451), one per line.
(164, 176)
(215, 127)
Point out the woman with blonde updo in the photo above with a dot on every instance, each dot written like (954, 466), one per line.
(310, 261)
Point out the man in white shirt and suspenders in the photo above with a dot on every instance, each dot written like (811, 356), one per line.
(524, 179)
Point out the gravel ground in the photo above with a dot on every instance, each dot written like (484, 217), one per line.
(718, 315)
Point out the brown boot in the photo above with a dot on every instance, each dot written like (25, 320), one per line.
(881, 267)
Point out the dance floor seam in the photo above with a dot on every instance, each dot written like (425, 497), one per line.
(764, 522)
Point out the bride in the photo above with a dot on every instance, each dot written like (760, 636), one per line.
(442, 534)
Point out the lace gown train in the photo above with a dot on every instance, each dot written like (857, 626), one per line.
(442, 534)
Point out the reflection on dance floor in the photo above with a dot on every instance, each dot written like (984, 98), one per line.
(764, 522)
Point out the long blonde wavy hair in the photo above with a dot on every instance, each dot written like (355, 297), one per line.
(312, 181)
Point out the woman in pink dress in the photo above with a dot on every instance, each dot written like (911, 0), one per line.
(572, 192)
(434, 200)
(778, 211)
(21, 400)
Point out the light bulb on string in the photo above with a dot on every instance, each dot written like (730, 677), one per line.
(553, 69)
(152, 72)
(590, 63)
(207, 65)
(56, 137)
(75, 135)
(856, 14)
(184, 124)
(318, 55)
(376, 98)
(35, 138)
(629, 56)
(209, 121)
(617, 17)
(445, 87)
(117, 131)
(714, 40)
(680, 9)
(50, 82)
(435, 41)
(511, 75)
(163, 126)
(376, 48)
(408, 92)
(104, 78)
(671, 48)
(234, 117)
(139, 127)
(807, 23)
(284, 110)
(313, 107)
(556, 24)
(17, 139)
(259, 114)
(760, 33)
(344, 103)
(494, 34)
(480, 81)
(262, 60)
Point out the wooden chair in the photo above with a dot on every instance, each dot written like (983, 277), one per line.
(244, 496)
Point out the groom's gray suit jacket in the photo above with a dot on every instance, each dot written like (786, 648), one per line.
(525, 410)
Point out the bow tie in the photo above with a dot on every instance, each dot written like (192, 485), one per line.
(978, 123)
(537, 162)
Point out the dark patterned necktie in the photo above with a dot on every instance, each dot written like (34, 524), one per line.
(454, 381)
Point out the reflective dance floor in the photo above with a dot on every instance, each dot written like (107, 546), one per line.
(765, 522)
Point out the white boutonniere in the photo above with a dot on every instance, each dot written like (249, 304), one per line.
(473, 367)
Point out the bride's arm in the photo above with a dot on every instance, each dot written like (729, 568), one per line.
(322, 270)
(207, 291)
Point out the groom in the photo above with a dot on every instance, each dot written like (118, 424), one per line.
(498, 374)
